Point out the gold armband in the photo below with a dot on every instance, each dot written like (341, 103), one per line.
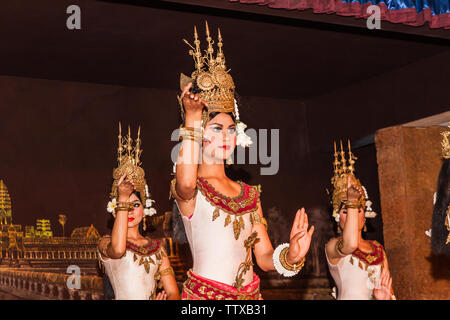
(339, 246)
(256, 218)
(173, 191)
(104, 246)
(287, 265)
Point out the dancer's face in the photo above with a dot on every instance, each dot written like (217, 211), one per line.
(343, 218)
(135, 216)
(219, 137)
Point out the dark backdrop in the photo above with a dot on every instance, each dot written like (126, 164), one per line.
(63, 92)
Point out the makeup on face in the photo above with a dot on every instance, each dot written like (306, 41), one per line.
(136, 204)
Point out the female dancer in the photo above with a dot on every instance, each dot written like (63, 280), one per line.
(134, 263)
(359, 267)
(223, 218)
(440, 231)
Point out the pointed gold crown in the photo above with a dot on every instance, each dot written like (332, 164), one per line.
(128, 158)
(211, 74)
(339, 180)
(445, 144)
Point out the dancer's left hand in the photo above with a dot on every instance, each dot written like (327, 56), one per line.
(385, 290)
(161, 296)
(300, 237)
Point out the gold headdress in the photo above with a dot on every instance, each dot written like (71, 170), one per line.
(211, 74)
(339, 182)
(214, 81)
(445, 144)
(128, 158)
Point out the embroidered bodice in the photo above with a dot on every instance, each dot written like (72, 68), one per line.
(217, 231)
(357, 274)
(132, 276)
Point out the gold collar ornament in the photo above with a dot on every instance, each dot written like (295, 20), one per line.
(128, 157)
(445, 144)
(215, 83)
(339, 182)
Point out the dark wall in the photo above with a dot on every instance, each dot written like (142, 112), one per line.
(315, 84)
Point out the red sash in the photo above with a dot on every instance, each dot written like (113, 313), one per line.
(199, 288)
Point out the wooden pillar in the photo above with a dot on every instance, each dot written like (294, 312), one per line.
(409, 160)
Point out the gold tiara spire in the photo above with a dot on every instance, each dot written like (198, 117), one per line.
(128, 158)
(341, 174)
(211, 75)
(446, 143)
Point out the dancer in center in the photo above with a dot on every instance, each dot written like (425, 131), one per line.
(223, 218)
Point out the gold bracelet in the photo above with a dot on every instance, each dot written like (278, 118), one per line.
(166, 272)
(287, 265)
(352, 204)
(196, 139)
(124, 206)
(189, 131)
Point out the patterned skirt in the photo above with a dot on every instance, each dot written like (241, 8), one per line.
(199, 288)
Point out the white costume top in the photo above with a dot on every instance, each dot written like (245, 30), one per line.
(355, 278)
(218, 249)
(132, 276)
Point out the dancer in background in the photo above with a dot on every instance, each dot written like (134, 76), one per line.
(359, 267)
(134, 263)
(223, 219)
(440, 224)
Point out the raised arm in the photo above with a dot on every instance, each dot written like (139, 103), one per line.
(188, 157)
(336, 248)
(114, 247)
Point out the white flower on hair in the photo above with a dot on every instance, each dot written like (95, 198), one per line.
(369, 213)
(111, 207)
(336, 216)
(242, 139)
(149, 211)
(149, 202)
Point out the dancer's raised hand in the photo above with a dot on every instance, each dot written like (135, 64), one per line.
(300, 237)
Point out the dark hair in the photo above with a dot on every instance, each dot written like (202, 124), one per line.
(213, 114)
(439, 232)
(108, 291)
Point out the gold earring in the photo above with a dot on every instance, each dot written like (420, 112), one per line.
(365, 228)
(145, 223)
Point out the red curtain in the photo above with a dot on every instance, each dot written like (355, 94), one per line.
(408, 16)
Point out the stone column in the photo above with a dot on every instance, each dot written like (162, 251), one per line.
(409, 160)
